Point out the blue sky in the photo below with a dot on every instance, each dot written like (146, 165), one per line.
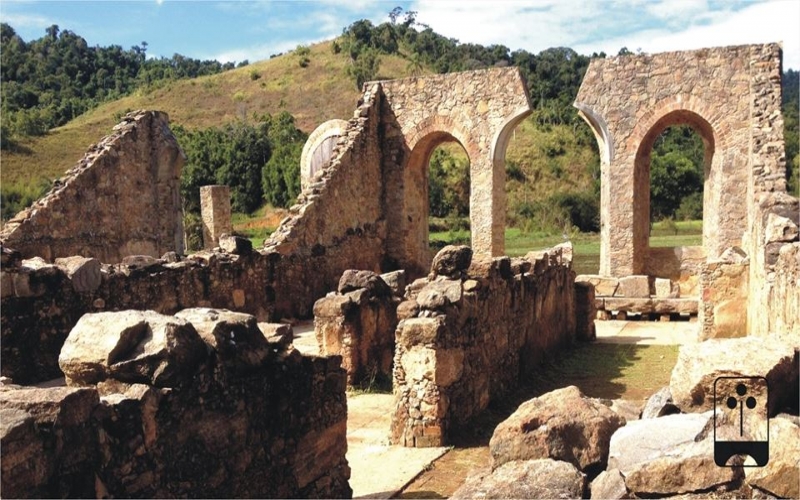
(255, 29)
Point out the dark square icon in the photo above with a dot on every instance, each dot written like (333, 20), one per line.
(741, 420)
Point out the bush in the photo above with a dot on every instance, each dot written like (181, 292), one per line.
(193, 229)
(581, 209)
(16, 197)
(691, 207)
(254, 74)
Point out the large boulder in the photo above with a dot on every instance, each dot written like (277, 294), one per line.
(131, 346)
(451, 261)
(700, 364)
(781, 476)
(235, 337)
(669, 455)
(542, 478)
(563, 425)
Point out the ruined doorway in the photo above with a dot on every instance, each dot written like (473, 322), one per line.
(661, 178)
(448, 196)
(438, 147)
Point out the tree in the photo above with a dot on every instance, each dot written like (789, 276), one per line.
(365, 67)
(672, 178)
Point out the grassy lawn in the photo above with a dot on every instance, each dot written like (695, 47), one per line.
(586, 245)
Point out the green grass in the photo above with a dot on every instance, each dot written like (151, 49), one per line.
(586, 246)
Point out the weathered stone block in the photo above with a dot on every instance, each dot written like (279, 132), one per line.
(236, 245)
(633, 287)
(779, 229)
(439, 293)
(84, 272)
(603, 285)
(234, 337)
(280, 334)
(396, 281)
(562, 425)
(451, 261)
(666, 288)
(699, 365)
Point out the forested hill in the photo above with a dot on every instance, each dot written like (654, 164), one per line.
(49, 81)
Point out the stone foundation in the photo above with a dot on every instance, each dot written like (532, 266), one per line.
(465, 339)
(227, 425)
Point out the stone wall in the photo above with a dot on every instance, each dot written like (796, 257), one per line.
(773, 216)
(629, 100)
(122, 198)
(477, 109)
(246, 419)
(774, 293)
(466, 337)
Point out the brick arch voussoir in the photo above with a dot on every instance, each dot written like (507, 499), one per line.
(442, 124)
(689, 103)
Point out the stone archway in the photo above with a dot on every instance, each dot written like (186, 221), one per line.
(628, 101)
(479, 109)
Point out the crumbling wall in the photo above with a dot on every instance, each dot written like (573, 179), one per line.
(467, 335)
(122, 198)
(215, 412)
(358, 323)
(774, 292)
(773, 216)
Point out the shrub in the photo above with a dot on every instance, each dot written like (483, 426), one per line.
(254, 74)
(691, 207)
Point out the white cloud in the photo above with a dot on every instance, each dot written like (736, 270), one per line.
(591, 26)
(758, 23)
(27, 20)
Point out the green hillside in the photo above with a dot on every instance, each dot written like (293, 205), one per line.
(313, 94)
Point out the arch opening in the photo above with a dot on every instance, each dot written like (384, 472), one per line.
(437, 197)
(675, 169)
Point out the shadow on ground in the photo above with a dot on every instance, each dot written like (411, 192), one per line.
(608, 371)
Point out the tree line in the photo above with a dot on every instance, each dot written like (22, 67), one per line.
(51, 80)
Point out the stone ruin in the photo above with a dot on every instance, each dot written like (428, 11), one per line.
(463, 334)
(743, 278)
(122, 198)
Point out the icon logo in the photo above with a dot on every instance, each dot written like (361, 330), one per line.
(741, 423)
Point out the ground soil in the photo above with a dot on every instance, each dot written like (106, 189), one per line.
(611, 371)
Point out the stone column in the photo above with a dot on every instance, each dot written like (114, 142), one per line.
(487, 201)
(215, 208)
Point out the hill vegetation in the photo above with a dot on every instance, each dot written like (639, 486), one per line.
(245, 126)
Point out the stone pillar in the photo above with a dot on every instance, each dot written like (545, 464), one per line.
(215, 207)
(487, 208)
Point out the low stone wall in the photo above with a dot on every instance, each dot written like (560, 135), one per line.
(643, 295)
(122, 198)
(466, 336)
(239, 417)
